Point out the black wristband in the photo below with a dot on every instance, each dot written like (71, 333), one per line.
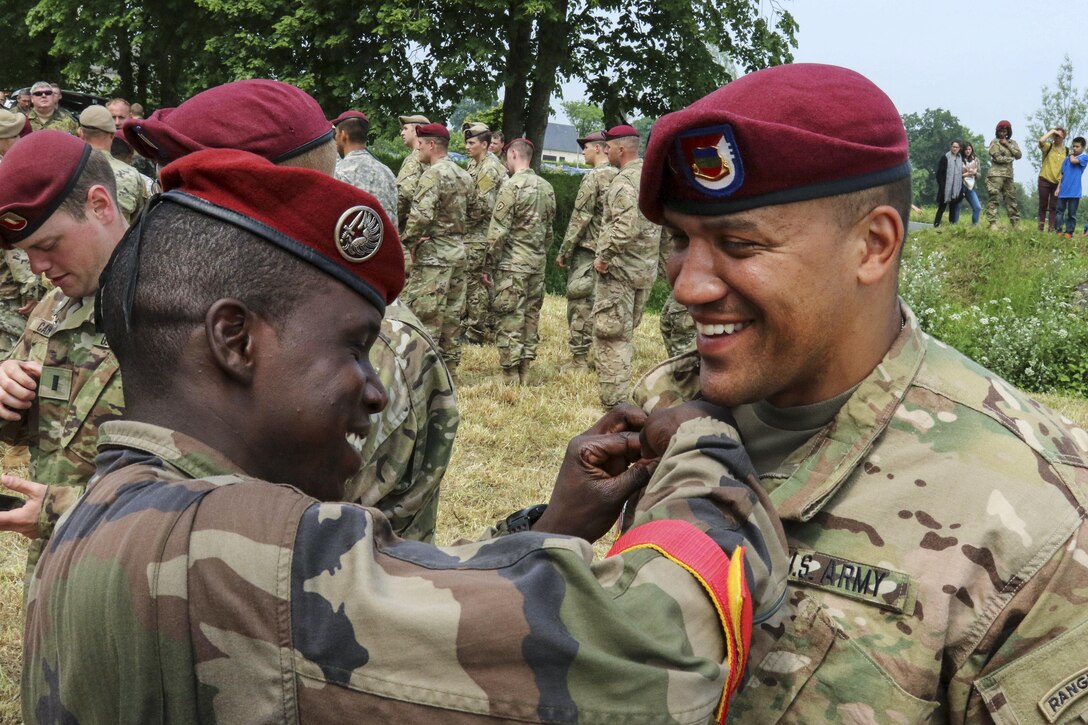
(522, 520)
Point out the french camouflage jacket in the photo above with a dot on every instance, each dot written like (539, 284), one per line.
(589, 209)
(521, 227)
(434, 233)
(629, 242)
(939, 552)
(221, 598)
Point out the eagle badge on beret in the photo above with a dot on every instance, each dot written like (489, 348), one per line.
(710, 160)
(359, 234)
(13, 222)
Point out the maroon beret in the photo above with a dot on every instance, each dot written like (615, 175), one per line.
(432, 130)
(1005, 125)
(334, 226)
(624, 131)
(350, 114)
(595, 137)
(36, 177)
(511, 142)
(779, 135)
(27, 128)
(272, 119)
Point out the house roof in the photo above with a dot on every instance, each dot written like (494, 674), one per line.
(561, 137)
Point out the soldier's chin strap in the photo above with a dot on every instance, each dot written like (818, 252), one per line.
(127, 265)
(722, 577)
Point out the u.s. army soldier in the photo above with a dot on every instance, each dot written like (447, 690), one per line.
(488, 176)
(411, 168)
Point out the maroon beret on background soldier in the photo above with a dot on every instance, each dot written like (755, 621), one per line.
(349, 114)
(35, 178)
(623, 131)
(432, 130)
(278, 121)
(596, 136)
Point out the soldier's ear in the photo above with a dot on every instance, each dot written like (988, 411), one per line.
(232, 331)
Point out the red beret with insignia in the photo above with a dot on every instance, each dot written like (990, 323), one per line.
(432, 130)
(35, 178)
(595, 137)
(336, 227)
(272, 119)
(779, 135)
(624, 131)
(350, 114)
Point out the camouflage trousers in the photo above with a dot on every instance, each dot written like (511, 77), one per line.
(1001, 187)
(518, 298)
(478, 319)
(617, 311)
(437, 296)
(677, 327)
(11, 325)
(581, 282)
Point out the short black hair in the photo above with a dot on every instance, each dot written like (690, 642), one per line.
(1080, 140)
(218, 260)
(356, 129)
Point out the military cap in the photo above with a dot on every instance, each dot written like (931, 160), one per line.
(333, 226)
(120, 136)
(623, 131)
(97, 118)
(35, 178)
(432, 130)
(350, 114)
(11, 124)
(472, 130)
(278, 121)
(508, 144)
(416, 119)
(722, 154)
(595, 137)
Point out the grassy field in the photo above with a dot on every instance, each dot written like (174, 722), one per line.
(508, 450)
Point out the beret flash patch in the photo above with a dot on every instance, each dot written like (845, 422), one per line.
(709, 160)
(359, 234)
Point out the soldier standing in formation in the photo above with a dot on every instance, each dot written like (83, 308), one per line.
(357, 166)
(579, 248)
(488, 176)
(626, 265)
(410, 169)
(97, 128)
(434, 239)
(518, 242)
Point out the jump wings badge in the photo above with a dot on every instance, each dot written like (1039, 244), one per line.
(359, 234)
(709, 160)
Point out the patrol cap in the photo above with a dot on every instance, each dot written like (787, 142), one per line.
(723, 153)
(595, 137)
(36, 176)
(472, 130)
(623, 131)
(97, 118)
(333, 226)
(416, 119)
(11, 124)
(350, 114)
(279, 121)
(432, 130)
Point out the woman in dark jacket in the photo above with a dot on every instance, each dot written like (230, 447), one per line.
(949, 184)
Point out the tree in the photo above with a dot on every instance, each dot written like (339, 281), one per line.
(586, 117)
(1064, 105)
(929, 136)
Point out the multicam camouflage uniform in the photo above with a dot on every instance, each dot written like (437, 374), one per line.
(61, 120)
(433, 235)
(80, 388)
(407, 180)
(518, 242)
(630, 244)
(411, 441)
(580, 249)
(360, 169)
(999, 184)
(677, 327)
(488, 177)
(18, 286)
(939, 550)
(131, 191)
(228, 599)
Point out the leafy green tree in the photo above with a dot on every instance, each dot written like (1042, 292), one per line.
(586, 117)
(28, 58)
(930, 135)
(1063, 105)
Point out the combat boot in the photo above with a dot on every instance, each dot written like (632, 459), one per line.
(523, 371)
(577, 362)
(510, 376)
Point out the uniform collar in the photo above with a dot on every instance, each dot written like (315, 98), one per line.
(188, 455)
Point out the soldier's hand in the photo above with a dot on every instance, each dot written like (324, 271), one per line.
(18, 387)
(601, 266)
(661, 426)
(486, 279)
(23, 520)
(601, 470)
(561, 261)
(26, 309)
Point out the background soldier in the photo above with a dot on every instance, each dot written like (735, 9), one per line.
(357, 166)
(46, 112)
(999, 184)
(518, 242)
(497, 143)
(579, 248)
(677, 327)
(20, 288)
(97, 128)
(488, 176)
(434, 237)
(626, 263)
(410, 169)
